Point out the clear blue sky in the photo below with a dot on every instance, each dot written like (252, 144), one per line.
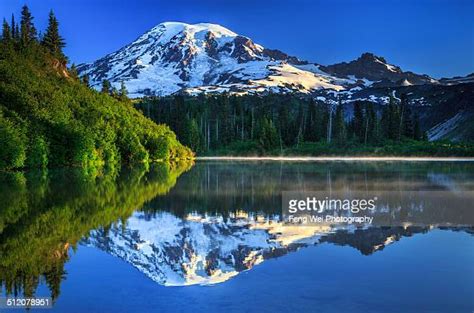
(435, 37)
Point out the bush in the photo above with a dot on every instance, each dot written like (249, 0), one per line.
(12, 145)
(38, 152)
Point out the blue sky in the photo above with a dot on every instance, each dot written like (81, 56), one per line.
(435, 37)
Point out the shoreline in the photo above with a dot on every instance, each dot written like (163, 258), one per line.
(335, 158)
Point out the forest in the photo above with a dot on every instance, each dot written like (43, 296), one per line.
(49, 117)
(277, 124)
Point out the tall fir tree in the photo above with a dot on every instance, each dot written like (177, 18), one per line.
(370, 126)
(339, 126)
(268, 135)
(13, 28)
(192, 137)
(85, 80)
(6, 32)
(407, 127)
(123, 92)
(106, 87)
(417, 134)
(27, 29)
(393, 120)
(52, 40)
(358, 121)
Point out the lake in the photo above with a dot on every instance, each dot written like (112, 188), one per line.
(210, 237)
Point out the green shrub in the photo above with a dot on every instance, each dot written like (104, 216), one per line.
(38, 152)
(12, 145)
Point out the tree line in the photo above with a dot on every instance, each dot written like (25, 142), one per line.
(24, 34)
(271, 122)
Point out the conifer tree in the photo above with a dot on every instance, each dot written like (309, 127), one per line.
(14, 29)
(339, 125)
(370, 123)
(28, 31)
(417, 135)
(358, 122)
(106, 86)
(406, 119)
(73, 71)
(6, 32)
(268, 136)
(114, 93)
(408, 123)
(17, 33)
(123, 92)
(52, 40)
(192, 137)
(393, 120)
(85, 80)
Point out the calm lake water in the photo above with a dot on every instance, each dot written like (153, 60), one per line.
(210, 238)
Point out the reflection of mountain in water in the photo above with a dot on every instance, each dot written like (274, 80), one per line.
(202, 249)
(205, 227)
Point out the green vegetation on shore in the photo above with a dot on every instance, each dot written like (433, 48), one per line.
(406, 148)
(49, 117)
(260, 125)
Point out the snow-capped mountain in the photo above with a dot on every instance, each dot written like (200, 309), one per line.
(174, 57)
(209, 249)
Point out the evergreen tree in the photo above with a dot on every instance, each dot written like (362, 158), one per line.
(268, 135)
(370, 123)
(391, 120)
(85, 80)
(358, 121)
(28, 31)
(13, 27)
(6, 32)
(106, 87)
(114, 93)
(73, 71)
(299, 125)
(417, 134)
(192, 137)
(407, 128)
(123, 92)
(52, 40)
(283, 121)
(17, 33)
(339, 126)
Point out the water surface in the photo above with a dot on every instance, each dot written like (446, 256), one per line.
(210, 239)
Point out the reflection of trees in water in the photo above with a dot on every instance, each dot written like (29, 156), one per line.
(43, 214)
(223, 187)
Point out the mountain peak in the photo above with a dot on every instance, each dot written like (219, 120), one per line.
(204, 57)
(369, 56)
(176, 56)
(199, 27)
(377, 69)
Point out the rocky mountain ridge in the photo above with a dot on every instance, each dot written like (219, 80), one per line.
(177, 57)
